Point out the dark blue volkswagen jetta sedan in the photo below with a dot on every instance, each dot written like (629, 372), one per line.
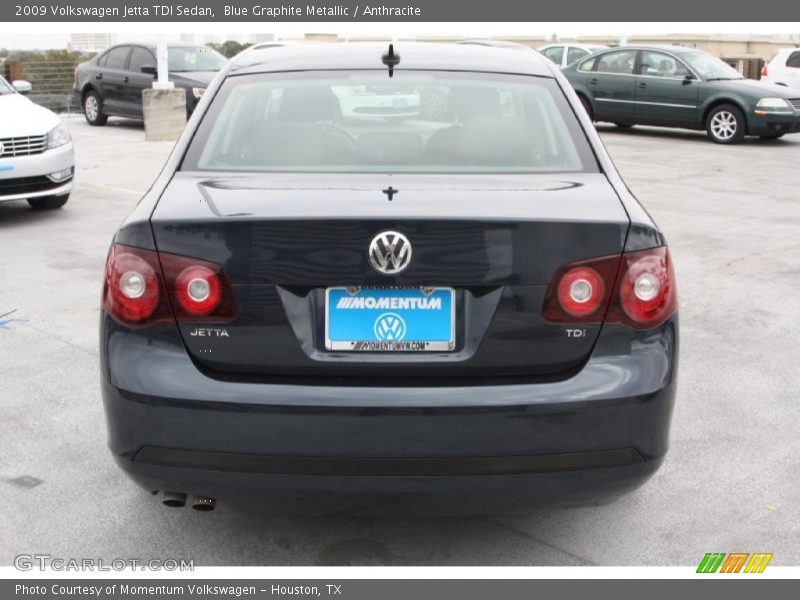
(333, 289)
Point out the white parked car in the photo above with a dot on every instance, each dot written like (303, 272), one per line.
(37, 161)
(568, 53)
(783, 69)
(375, 101)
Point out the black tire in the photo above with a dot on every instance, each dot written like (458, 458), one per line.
(587, 107)
(93, 109)
(772, 136)
(48, 202)
(725, 124)
(624, 125)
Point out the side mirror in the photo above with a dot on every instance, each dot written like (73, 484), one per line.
(688, 78)
(150, 69)
(22, 86)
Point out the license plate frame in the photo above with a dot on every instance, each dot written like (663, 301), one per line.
(412, 334)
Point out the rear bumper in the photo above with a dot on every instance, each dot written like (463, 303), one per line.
(596, 434)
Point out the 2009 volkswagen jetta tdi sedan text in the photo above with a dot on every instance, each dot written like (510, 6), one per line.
(466, 304)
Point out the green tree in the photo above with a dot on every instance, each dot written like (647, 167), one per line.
(228, 48)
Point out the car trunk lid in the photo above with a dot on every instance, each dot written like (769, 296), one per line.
(283, 239)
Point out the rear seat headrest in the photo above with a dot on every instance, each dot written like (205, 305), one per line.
(309, 103)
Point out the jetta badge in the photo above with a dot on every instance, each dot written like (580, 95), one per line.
(389, 252)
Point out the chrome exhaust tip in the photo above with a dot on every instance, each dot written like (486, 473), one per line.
(174, 499)
(204, 503)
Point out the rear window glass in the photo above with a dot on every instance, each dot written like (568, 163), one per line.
(556, 54)
(364, 121)
(140, 57)
(617, 62)
(574, 54)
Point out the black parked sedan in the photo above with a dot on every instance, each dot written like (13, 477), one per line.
(682, 87)
(111, 83)
(473, 308)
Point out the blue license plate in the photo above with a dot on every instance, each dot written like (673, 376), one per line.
(390, 320)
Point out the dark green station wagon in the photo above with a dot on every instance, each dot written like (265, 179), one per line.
(675, 86)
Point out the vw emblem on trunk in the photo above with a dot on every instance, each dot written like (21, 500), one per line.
(390, 327)
(389, 252)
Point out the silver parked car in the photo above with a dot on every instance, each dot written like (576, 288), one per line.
(37, 160)
(568, 53)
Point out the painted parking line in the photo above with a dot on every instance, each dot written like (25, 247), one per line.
(112, 188)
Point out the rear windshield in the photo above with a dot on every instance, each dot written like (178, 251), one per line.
(414, 122)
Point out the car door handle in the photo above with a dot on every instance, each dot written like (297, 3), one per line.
(98, 76)
(126, 79)
(593, 81)
(642, 84)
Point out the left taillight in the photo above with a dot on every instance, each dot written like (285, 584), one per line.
(199, 289)
(143, 286)
(133, 291)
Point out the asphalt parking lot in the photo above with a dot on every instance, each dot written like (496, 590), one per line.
(732, 217)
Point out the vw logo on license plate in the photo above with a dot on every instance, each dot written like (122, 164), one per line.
(390, 327)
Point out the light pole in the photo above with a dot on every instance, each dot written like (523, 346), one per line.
(162, 64)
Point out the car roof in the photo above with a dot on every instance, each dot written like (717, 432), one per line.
(497, 44)
(413, 55)
(657, 47)
(151, 46)
(576, 44)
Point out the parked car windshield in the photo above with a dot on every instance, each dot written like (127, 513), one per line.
(195, 58)
(5, 88)
(710, 67)
(365, 121)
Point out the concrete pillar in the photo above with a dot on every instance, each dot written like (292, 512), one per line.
(164, 114)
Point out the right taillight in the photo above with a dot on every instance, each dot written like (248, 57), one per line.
(199, 290)
(637, 289)
(143, 286)
(764, 71)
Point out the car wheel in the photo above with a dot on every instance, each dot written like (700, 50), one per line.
(93, 109)
(624, 125)
(48, 202)
(432, 105)
(771, 136)
(725, 124)
(587, 107)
